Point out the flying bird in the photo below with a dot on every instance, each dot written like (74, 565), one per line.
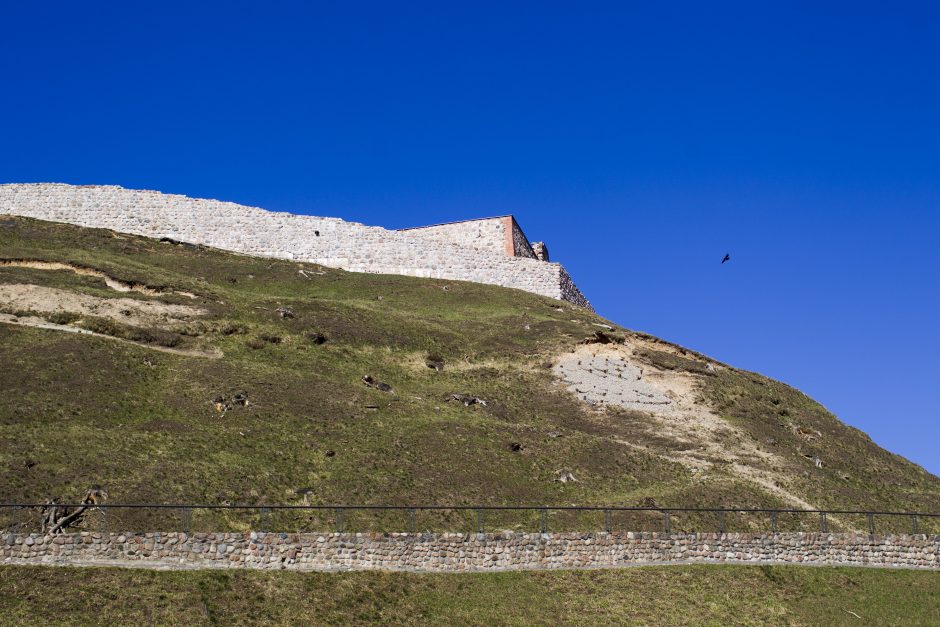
(727, 258)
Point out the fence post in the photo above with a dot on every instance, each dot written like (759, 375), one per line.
(102, 525)
(607, 520)
(339, 519)
(773, 522)
(543, 515)
(264, 522)
(411, 520)
(187, 516)
(823, 522)
(479, 520)
(871, 523)
(667, 522)
(721, 522)
(914, 523)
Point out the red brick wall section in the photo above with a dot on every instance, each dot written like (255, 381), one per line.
(507, 236)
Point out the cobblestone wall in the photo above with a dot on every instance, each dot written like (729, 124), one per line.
(465, 552)
(470, 251)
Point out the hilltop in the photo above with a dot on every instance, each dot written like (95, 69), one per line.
(493, 250)
(170, 372)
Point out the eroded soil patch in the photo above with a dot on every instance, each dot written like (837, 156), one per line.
(115, 284)
(681, 426)
(40, 299)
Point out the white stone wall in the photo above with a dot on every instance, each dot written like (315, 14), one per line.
(487, 235)
(436, 253)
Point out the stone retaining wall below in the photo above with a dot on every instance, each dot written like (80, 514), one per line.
(464, 552)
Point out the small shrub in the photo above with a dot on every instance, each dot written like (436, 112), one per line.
(102, 325)
(62, 317)
(232, 329)
(315, 337)
(106, 326)
(156, 336)
(255, 343)
(193, 330)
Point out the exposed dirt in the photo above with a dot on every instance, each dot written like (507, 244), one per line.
(693, 434)
(115, 284)
(26, 297)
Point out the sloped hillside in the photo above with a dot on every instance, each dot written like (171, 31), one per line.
(173, 373)
(651, 595)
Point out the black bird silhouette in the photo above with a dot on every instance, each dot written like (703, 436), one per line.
(727, 258)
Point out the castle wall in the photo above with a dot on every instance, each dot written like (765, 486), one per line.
(520, 243)
(569, 291)
(540, 250)
(487, 235)
(437, 252)
(455, 552)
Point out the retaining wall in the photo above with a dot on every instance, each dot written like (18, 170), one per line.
(475, 250)
(465, 552)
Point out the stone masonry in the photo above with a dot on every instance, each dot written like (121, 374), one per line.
(455, 552)
(600, 379)
(492, 250)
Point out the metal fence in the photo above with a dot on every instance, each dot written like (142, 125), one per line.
(26, 517)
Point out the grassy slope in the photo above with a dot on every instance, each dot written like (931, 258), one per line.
(717, 595)
(84, 410)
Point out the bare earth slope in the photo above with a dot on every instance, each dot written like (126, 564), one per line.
(150, 405)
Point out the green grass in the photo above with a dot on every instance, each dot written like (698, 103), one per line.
(80, 410)
(668, 595)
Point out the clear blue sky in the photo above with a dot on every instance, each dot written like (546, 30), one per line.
(641, 142)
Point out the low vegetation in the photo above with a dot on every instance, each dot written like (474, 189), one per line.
(299, 341)
(666, 595)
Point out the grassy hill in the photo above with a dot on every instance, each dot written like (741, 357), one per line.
(655, 595)
(219, 378)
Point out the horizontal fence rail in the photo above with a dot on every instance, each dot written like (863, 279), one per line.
(473, 518)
